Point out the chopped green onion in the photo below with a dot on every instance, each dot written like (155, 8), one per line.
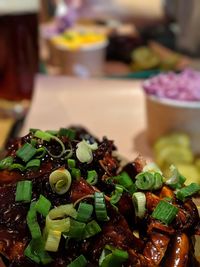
(100, 206)
(41, 151)
(139, 203)
(61, 225)
(158, 181)
(125, 180)
(176, 180)
(30, 253)
(63, 211)
(116, 195)
(84, 151)
(48, 137)
(76, 229)
(84, 212)
(58, 219)
(76, 173)
(92, 177)
(91, 229)
(71, 163)
(152, 167)
(24, 191)
(17, 166)
(35, 251)
(187, 191)
(33, 164)
(6, 163)
(60, 181)
(62, 148)
(34, 229)
(33, 142)
(52, 132)
(78, 262)
(165, 212)
(32, 222)
(43, 135)
(70, 133)
(43, 205)
(26, 152)
(115, 257)
(145, 181)
(53, 240)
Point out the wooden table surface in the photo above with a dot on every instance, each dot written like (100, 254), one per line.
(112, 108)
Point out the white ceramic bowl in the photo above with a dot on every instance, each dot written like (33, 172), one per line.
(166, 115)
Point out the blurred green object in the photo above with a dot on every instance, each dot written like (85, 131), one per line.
(144, 58)
(137, 75)
(176, 149)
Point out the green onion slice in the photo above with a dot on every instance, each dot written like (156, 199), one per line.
(24, 191)
(52, 132)
(70, 133)
(125, 180)
(43, 135)
(165, 212)
(158, 181)
(76, 173)
(43, 205)
(60, 181)
(35, 251)
(26, 152)
(48, 137)
(84, 212)
(145, 181)
(53, 240)
(17, 166)
(71, 163)
(116, 195)
(84, 151)
(33, 164)
(41, 151)
(152, 167)
(78, 262)
(91, 229)
(33, 142)
(59, 218)
(176, 180)
(113, 257)
(100, 206)
(76, 229)
(187, 191)
(62, 148)
(139, 203)
(32, 222)
(92, 177)
(6, 163)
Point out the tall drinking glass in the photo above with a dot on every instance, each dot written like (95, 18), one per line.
(18, 54)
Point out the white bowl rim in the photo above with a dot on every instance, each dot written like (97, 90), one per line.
(174, 103)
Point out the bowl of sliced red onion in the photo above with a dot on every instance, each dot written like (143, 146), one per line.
(173, 104)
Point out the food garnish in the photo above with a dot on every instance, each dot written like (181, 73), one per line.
(66, 200)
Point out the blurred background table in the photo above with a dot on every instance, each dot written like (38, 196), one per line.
(112, 108)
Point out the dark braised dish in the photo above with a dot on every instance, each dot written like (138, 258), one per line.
(66, 199)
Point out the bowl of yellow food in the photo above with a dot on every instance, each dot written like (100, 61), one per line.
(81, 53)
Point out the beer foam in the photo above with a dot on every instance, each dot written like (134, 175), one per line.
(18, 6)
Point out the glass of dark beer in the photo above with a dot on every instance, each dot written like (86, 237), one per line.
(18, 53)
